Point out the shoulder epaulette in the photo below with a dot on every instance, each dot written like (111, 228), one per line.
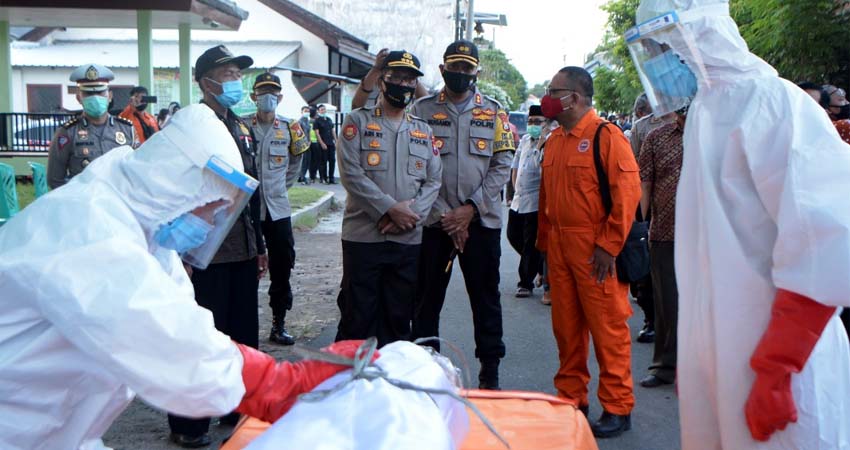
(71, 122)
(493, 100)
(124, 121)
(284, 119)
(427, 97)
(415, 117)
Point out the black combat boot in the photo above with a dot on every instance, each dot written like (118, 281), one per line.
(278, 334)
(488, 377)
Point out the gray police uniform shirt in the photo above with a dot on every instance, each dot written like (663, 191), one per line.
(78, 142)
(476, 147)
(280, 149)
(527, 164)
(380, 167)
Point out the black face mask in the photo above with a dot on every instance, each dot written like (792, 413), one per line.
(844, 114)
(142, 107)
(458, 82)
(397, 95)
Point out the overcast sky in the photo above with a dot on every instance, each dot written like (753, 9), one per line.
(544, 35)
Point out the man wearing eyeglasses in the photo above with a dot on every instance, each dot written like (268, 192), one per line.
(472, 134)
(391, 174)
(581, 241)
(839, 111)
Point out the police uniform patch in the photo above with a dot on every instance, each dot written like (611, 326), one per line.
(85, 152)
(349, 132)
(418, 134)
(489, 112)
(373, 158)
(278, 134)
(505, 123)
(476, 111)
(91, 73)
(276, 123)
(373, 127)
(375, 144)
(62, 141)
(278, 159)
(244, 129)
(82, 134)
(440, 116)
(120, 138)
(439, 143)
(419, 164)
(477, 99)
(297, 129)
(481, 144)
(583, 145)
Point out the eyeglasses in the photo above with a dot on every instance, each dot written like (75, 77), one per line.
(550, 91)
(536, 121)
(461, 67)
(402, 79)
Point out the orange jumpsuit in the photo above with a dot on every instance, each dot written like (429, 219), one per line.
(572, 222)
(130, 113)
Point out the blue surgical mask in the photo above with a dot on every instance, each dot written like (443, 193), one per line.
(183, 233)
(231, 92)
(267, 102)
(670, 76)
(534, 130)
(95, 105)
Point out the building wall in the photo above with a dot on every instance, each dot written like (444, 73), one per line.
(22, 76)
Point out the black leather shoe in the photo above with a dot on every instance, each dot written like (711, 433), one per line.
(278, 333)
(651, 381)
(488, 377)
(611, 425)
(186, 441)
(646, 335)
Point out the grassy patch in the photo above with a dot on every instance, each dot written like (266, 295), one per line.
(300, 196)
(26, 194)
(305, 222)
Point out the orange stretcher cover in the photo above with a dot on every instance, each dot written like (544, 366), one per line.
(528, 420)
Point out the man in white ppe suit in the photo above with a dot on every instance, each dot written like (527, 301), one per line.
(96, 304)
(762, 238)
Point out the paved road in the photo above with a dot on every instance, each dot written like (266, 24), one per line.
(532, 360)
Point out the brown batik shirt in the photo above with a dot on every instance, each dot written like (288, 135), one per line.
(660, 164)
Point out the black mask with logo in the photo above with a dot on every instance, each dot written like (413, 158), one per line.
(397, 95)
(459, 82)
(844, 114)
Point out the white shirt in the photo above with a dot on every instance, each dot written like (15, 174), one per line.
(527, 162)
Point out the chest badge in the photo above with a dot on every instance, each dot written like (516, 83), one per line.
(438, 144)
(120, 138)
(440, 116)
(373, 127)
(375, 144)
(86, 151)
(373, 159)
(583, 145)
(278, 134)
(63, 141)
(82, 134)
(349, 132)
(481, 144)
(418, 134)
(278, 159)
(419, 165)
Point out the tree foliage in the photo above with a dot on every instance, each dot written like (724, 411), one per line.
(803, 39)
(539, 89)
(617, 85)
(498, 70)
(496, 91)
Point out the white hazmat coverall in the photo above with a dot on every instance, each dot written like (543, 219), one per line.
(761, 210)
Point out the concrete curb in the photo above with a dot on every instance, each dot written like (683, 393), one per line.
(314, 209)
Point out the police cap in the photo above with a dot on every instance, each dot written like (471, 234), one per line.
(461, 50)
(267, 79)
(402, 59)
(92, 77)
(219, 56)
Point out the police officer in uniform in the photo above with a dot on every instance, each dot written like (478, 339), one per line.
(281, 143)
(392, 174)
(82, 139)
(228, 286)
(476, 146)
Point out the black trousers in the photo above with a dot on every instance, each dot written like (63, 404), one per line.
(229, 291)
(280, 245)
(315, 159)
(377, 291)
(479, 263)
(326, 169)
(305, 165)
(663, 272)
(845, 317)
(522, 234)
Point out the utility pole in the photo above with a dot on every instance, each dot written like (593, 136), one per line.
(457, 19)
(469, 21)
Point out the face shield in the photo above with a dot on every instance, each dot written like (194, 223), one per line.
(236, 188)
(669, 82)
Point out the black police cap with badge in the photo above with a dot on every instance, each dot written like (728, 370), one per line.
(219, 56)
(398, 95)
(402, 59)
(460, 51)
(267, 79)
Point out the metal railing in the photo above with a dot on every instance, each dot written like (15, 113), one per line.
(29, 132)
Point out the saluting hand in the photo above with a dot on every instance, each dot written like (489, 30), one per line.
(380, 58)
(603, 264)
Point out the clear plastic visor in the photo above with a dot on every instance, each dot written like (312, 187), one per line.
(669, 77)
(240, 187)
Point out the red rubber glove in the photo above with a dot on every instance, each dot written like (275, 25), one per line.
(796, 324)
(271, 388)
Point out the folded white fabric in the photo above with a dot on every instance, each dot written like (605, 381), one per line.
(374, 414)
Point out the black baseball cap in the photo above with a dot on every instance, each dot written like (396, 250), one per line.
(461, 50)
(402, 59)
(267, 79)
(219, 56)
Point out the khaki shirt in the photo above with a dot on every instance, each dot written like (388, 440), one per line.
(279, 154)
(380, 167)
(476, 146)
(78, 142)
